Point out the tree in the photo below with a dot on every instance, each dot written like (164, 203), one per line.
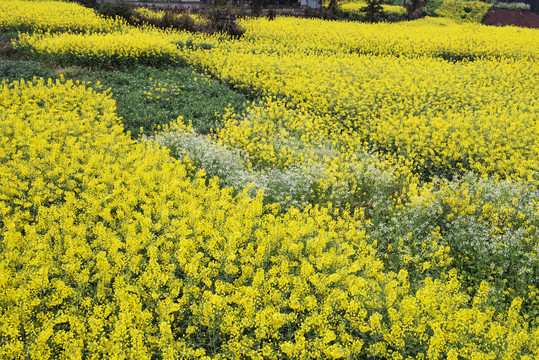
(374, 12)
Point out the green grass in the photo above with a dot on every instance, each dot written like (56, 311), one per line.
(186, 93)
(27, 70)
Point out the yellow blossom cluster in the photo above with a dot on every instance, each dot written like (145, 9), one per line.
(342, 170)
(122, 48)
(464, 11)
(51, 16)
(162, 91)
(355, 8)
(438, 117)
(432, 37)
(109, 250)
(69, 34)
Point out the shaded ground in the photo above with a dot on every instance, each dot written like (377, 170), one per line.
(6, 49)
(504, 17)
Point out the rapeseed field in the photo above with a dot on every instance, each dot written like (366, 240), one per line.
(378, 200)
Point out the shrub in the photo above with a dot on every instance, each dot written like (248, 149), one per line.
(374, 12)
(271, 15)
(463, 11)
(353, 11)
(432, 6)
(116, 8)
(167, 19)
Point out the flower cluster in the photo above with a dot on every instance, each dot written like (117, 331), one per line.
(427, 37)
(69, 34)
(119, 49)
(438, 117)
(52, 16)
(327, 221)
(458, 10)
(162, 91)
(109, 250)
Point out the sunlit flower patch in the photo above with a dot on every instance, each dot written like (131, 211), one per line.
(52, 16)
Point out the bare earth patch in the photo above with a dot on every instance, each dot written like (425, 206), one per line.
(6, 50)
(504, 17)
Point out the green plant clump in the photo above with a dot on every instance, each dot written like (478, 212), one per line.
(17, 70)
(148, 98)
(463, 11)
(512, 6)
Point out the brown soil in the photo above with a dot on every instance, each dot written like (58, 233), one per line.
(6, 50)
(504, 17)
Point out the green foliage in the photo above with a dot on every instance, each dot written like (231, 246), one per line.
(463, 11)
(431, 7)
(8, 35)
(511, 6)
(17, 70)
(334, 7)
(354, 12)
(148, 98)
(116, 8)
(168, 20)
(271, 15)
(6, 47)
(374, 12)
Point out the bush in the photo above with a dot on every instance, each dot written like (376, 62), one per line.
(116, 8)
(222, 20)
(168, 19)
(271, 15)
(354, 11)
(463, 11)
(511, 6)
(432, 6)
(374, 12)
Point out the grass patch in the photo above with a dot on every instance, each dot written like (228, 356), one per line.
(27, 70)
(148, 98)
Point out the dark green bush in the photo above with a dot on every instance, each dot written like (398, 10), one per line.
(432, 6)
(116, 8)
(374, 12)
